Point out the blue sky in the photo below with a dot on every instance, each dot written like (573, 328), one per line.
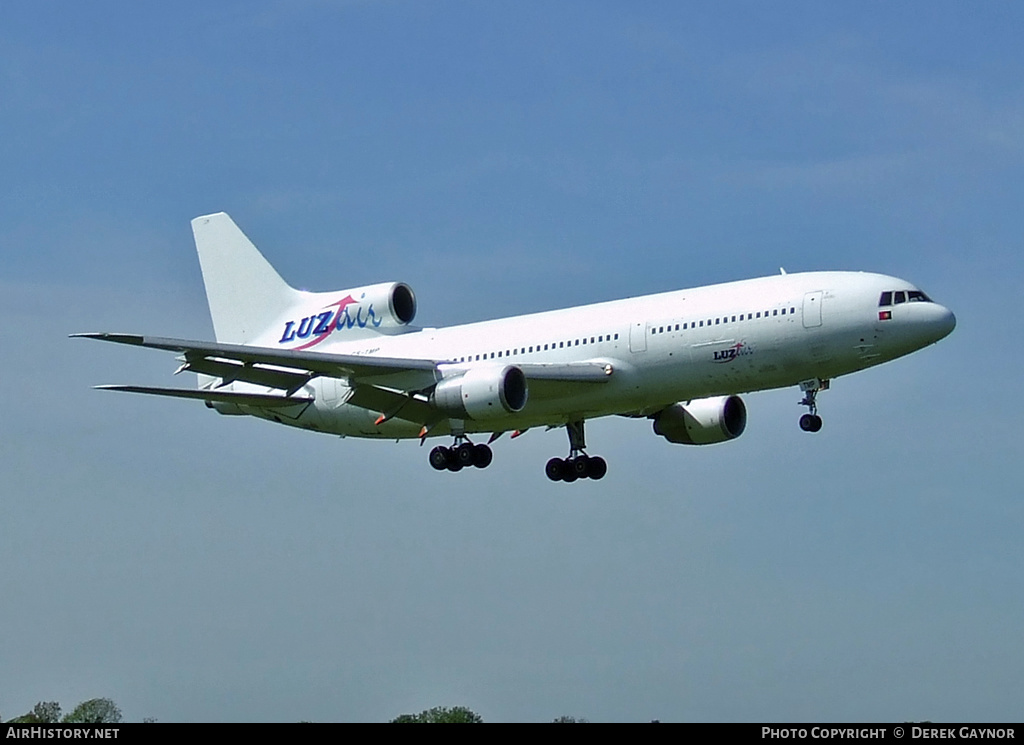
(505, 158)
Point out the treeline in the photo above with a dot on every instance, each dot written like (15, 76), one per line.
(105, 711)
(93, 711)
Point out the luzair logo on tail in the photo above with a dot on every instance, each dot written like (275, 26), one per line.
(321, 325)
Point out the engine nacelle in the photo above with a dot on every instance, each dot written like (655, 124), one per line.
(482, 393)
(702, 422)
(352, 314)
(387, 305)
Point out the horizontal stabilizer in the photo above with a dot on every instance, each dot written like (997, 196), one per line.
(242, 399)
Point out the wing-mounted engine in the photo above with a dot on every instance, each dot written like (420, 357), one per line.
(702, 422)
(482, 393)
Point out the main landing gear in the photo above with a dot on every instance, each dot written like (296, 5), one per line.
(578, 465)
(811, 422)
(462, 454)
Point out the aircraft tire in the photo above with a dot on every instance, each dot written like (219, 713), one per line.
(596, 467)
(482, 456)
(580, 464)
(464, 454)
(553, 469)
(439, 457)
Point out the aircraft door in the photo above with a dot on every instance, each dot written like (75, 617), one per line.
(638, 337)
(812, 309)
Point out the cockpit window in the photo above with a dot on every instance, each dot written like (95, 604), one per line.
(895, 297)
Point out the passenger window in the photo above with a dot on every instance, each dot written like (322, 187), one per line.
(775, 312)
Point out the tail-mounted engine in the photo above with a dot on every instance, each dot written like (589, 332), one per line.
(482, 393)
(702, 422)
(387, 305)
(350, 314)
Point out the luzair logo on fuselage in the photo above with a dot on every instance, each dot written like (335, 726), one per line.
(334, 317)
(740, 349)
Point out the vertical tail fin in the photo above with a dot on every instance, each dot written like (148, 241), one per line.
(246, 295)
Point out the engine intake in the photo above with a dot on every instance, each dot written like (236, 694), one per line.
(703, 421)
(387, 304)
(482, 393)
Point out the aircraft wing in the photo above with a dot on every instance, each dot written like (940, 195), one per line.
(278, 368)
(283, 368)
(569, 372)
(383, 384)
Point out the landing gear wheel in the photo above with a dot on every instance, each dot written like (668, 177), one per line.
(810, 423)
(439, 457)
(453, 465)
(553, 469)
(482, 456)
(464, 454)
(580, 464)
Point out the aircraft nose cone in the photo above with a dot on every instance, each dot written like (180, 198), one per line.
(942, 323)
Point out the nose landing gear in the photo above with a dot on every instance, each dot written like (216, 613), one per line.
(811, 422)
(578, 465)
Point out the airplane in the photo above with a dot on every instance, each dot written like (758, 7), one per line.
(351, 363)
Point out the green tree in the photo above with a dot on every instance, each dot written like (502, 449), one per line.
(95, 711)
(440, 715)
(44, 712)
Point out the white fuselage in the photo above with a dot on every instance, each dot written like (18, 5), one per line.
(722, 339)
